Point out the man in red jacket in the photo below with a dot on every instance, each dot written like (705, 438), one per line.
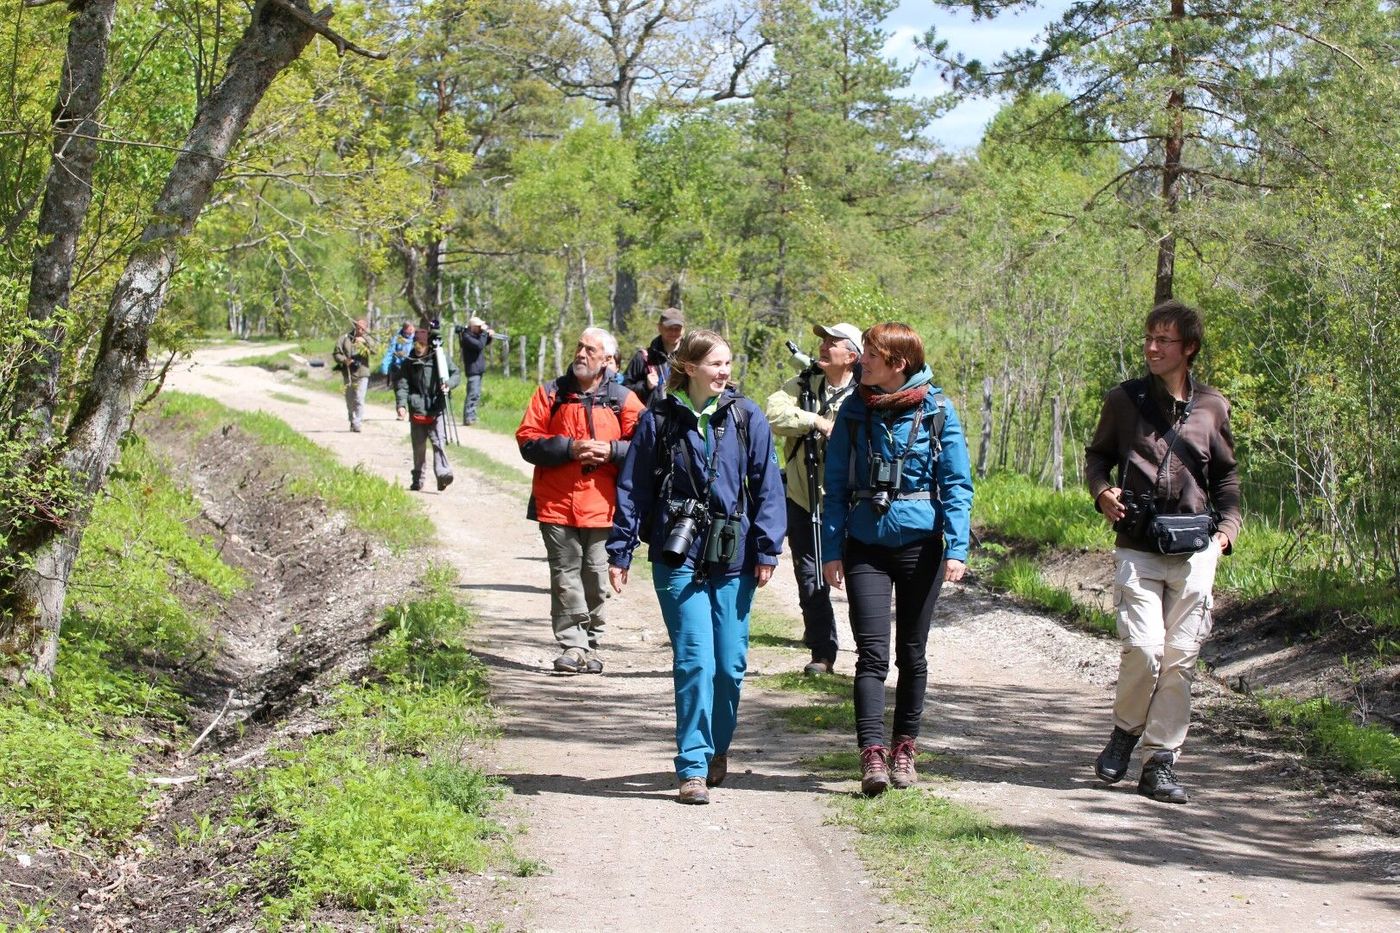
(576, 432)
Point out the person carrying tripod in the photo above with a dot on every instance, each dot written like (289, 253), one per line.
(421, 390)
(803, 412)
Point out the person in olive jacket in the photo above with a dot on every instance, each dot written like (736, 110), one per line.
(419, 389)
(1168, 437)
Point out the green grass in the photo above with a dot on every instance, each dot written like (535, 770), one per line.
(284, 397)
(833, 705)
(503, 402)
(484, 463)
(385, 511)
(318, 347)
(1019, 575)
(952, 869)
(774, 630)
(372, 812)
(1328, 733)
(65, 745)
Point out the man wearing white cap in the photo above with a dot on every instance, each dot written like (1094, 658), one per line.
(474, 339)
(803, 412)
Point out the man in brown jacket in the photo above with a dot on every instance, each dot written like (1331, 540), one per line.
(1168, 437)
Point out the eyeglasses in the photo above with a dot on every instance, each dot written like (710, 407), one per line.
(1160, 341)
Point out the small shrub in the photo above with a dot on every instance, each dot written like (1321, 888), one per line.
(58, 773)
(1330, 733)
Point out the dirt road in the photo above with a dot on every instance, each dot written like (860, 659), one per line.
(1017, 708)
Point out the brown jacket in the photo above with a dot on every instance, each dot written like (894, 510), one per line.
(1204, 441)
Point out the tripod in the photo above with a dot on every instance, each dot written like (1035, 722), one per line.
(441, 377)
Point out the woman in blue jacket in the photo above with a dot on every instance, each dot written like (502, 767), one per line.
(895, 517)
(701, 486)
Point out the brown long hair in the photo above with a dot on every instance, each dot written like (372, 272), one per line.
(895, 341)
(693, 348)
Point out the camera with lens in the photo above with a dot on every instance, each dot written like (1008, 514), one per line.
(1139, 508)
(688, 518)
(885, 477)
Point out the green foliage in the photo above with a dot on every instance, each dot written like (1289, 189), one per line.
(137, 556)
(1017, 507)
(1020, 576)
(381, 509)
(57, 772)
(1329, 731)
(503, 402)
(388, 796)
(954, 870)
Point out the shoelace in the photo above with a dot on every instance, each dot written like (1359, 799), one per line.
(870, 755)
(1120, 744)
(904, 756)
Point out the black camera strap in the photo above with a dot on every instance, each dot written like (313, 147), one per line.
(937, 417)
(1140, 392)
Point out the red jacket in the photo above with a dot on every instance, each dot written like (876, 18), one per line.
(563, 491)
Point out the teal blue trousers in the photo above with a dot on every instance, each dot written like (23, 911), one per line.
(708, 622)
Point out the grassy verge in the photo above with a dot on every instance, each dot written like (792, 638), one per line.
(1019, 575)
(139, 593)
(948, 866)
(369, 814)
(1327, 732)
(383, 510)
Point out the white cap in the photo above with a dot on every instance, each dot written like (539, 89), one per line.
(476, 322)
(842, 331)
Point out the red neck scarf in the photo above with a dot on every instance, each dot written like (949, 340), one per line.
(892, 403)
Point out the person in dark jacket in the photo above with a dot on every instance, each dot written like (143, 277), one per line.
(650, 368)
(474, 338)
(352, 354)
(702, 458)
(896, 518)
(419, 390)
(1168, 436)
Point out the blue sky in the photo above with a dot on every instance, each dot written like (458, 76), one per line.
(962, 127)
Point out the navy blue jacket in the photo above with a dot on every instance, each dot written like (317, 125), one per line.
(473, 350)
(641, 513)
(945, 473)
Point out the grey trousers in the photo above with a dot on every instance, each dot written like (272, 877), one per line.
(419, 435)
(472, 400)
(578, 583)
(355, 400)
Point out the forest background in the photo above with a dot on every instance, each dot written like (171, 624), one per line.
(762, 165)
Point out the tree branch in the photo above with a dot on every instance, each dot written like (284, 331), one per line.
(317, 24)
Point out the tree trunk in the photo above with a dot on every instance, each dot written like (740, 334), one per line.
(67, 194)
(624, 296)
(32, 598)
(1171, 163)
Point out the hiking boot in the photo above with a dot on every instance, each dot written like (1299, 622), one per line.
(693, 791)
(817, 667)
(417, 484)
(1158, 780)
(874, 770)
(571, 661)
(1113, 761)
(593, 664)
(719, 767)
(444, 482)
(902, 773)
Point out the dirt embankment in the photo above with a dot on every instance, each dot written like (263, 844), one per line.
(316, 592)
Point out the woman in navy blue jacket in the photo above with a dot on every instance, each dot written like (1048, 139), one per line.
(702, 461)
(895, 516)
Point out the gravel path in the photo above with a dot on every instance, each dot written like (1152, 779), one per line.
(1017, 708)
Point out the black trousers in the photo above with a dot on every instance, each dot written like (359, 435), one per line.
(813, 595)
(913, 575)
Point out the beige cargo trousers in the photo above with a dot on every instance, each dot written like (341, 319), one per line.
(1164, 604)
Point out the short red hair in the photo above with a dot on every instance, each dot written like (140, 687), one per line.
(895, 342)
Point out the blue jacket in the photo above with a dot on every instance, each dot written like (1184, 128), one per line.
(642, 513)
(400, 345)
(945, 473)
